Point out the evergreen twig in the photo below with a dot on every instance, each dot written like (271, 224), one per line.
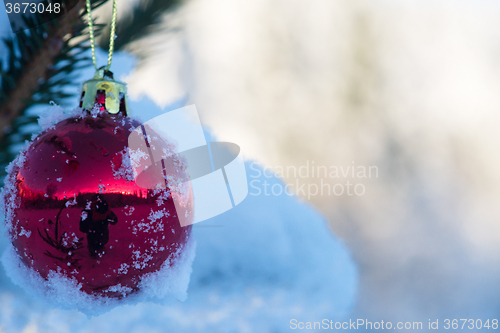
(35, 57)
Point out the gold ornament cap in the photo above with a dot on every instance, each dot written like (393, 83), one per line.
(105, 93)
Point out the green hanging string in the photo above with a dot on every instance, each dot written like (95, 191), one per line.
(111, 35)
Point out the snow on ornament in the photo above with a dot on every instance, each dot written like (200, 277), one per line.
(82, 230)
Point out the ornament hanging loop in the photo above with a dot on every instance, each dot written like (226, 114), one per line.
(102, 91)
(111, 35)
(91, 32)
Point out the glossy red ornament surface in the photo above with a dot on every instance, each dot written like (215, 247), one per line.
(78, 211)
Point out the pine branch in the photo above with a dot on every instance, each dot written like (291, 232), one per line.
(34, 59)
(139, 22)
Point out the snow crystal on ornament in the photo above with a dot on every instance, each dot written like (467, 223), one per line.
(70, 241)
(54, 114)
(95, 111)
(11, 201)
(71, 202)
(162, 196)
(152, 226)
(123, 269)
(128, 210)
(136, 157)
(25, 233)
(124, 168)
(157, 215)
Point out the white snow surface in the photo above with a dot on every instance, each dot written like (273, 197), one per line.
(259, 265)
(267, 261)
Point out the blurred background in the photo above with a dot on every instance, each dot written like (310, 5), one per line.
(408, 87)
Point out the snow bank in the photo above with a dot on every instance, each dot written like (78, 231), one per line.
(261, 264)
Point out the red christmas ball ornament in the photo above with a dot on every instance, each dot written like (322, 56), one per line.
(73, 207)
